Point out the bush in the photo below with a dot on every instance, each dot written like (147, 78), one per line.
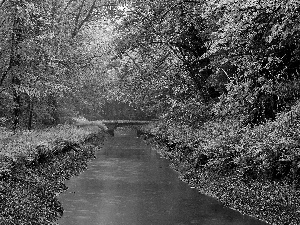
(269, 151)
(28, 143)
(255, 170)
(33, 166)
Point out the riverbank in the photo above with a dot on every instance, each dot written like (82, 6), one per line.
(274, 202)
(34, 166)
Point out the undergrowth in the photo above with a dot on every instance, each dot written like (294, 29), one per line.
(28, 143)
(255, 170)
(32, 175)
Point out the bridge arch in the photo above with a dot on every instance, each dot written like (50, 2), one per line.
(112, 125)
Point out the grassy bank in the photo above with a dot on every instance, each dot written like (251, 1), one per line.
(252, 170)
(34, 166)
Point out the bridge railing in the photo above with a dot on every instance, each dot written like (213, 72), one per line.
(126, 121)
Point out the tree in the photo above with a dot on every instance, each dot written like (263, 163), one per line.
(45, 50)
(162, 48)
(256, 44)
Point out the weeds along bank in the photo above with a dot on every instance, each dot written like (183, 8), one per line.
(253, 170)
(34, 166)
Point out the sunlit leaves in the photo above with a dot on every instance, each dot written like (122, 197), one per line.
(60, 50)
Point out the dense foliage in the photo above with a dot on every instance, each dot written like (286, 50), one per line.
(229, 69)
(223, 77)
(54, 57)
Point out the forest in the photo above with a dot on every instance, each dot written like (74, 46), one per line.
(220, 77)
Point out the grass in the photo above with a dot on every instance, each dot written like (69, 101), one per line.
(30, 183)
(26, 143)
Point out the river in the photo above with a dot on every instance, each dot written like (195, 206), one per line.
(129, 184)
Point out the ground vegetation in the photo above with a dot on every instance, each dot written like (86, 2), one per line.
(34, 166)
(221, 77)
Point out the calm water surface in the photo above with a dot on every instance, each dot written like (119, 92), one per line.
(129, 184)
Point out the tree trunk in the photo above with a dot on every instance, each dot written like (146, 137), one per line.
(30, 112)
(17, 102)
(52, 102)
(15, 62)
(16, 39)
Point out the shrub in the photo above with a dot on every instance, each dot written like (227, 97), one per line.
(269, 151)
(28, 143)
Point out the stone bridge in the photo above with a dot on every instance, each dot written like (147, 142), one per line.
(114, 124)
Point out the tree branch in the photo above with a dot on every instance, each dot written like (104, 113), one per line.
(64, 10)
(4, 74)
(12, 51)
(2, 3)
(87, 17)
(135, 63)
(75, 30)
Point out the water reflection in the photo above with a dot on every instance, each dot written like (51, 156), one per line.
(128, 184)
